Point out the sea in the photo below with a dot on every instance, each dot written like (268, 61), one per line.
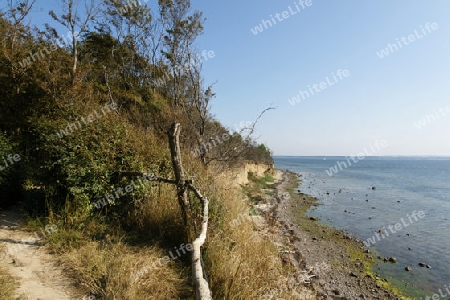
(364, 198)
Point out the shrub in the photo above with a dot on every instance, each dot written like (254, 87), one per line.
(5, 149)
(10, 175)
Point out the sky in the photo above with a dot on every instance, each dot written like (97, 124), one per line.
(402, 98)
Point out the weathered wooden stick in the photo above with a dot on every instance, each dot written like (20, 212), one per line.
(202, 288)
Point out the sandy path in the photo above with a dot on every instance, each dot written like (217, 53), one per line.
(39, 277)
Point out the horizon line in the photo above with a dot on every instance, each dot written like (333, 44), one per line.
(402, 155)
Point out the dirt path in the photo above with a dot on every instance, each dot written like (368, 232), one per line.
(25, 258)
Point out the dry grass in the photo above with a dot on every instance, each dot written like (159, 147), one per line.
(7, 283)
(240, 263)
(108, 271)
(156, 216)
(104, 261)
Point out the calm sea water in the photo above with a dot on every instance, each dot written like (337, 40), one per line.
(402, 185)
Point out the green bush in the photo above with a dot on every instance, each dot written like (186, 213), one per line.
(79, 169)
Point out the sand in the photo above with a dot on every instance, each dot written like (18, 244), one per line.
(36, 271)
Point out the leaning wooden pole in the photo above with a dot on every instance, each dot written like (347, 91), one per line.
(175, 151)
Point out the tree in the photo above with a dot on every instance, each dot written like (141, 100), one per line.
(18, 32)
(238, 146)
(134, 22)
(77, 25)
(182, 29)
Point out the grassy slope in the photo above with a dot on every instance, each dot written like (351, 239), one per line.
(102, 258)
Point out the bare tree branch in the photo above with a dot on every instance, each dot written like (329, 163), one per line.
(252, 127)
(149, 177)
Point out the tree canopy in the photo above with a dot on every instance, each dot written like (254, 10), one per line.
(82, 107)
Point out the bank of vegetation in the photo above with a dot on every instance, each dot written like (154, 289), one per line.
(85, 106)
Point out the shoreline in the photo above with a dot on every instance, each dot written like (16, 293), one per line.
(346, 263)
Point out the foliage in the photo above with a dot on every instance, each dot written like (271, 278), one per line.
(53, 109)
(10, 173)
(259, 153)
(5, 149)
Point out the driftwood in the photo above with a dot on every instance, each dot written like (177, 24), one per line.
(198, 273)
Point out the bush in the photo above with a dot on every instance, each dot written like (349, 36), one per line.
(10, 176)
(78, 169)
(5, 149)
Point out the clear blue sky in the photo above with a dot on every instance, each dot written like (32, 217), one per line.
(382, 99)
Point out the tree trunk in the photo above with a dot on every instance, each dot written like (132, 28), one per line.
(74, 57)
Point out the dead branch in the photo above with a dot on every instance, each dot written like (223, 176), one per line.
(251, 129)
(149, 177)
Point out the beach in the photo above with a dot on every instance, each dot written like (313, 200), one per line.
(335, 265)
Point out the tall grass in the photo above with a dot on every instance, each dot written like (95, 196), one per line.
(107, 270)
